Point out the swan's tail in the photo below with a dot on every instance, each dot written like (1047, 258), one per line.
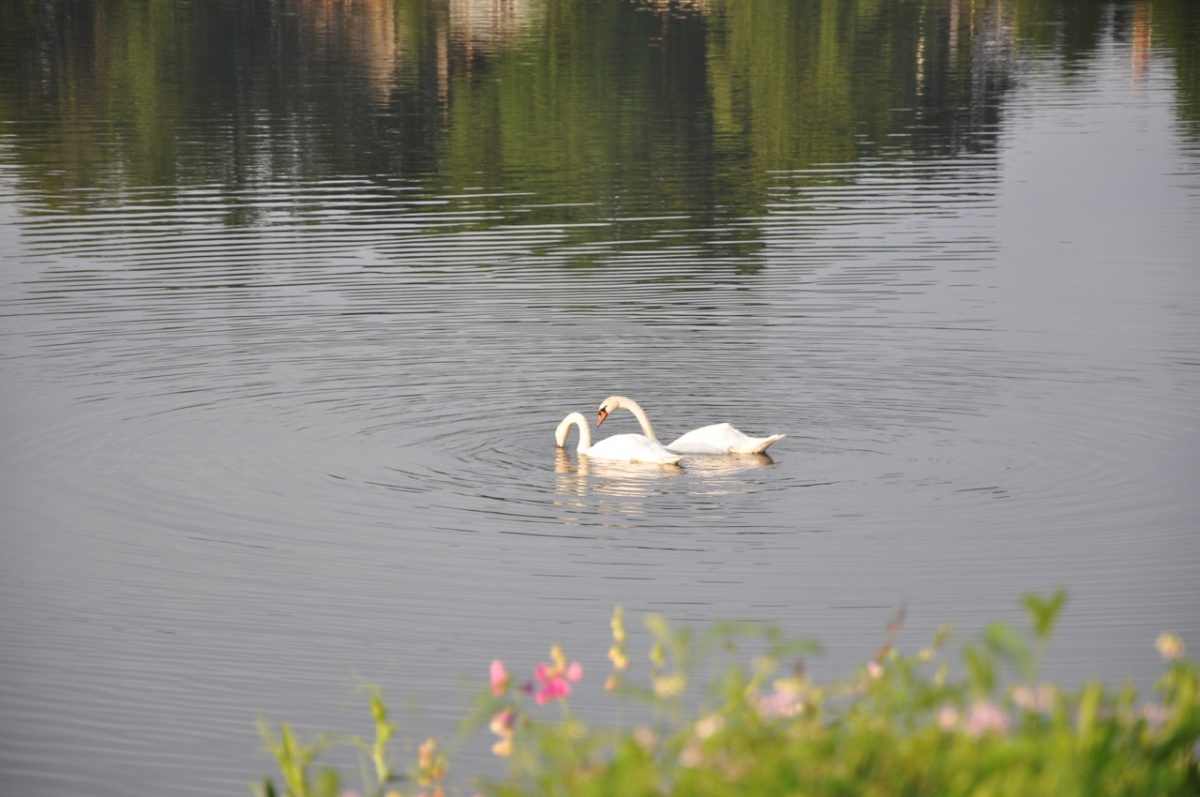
(758, 445)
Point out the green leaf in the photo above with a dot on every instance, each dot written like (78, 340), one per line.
(329, 783)
(981, 668)
(657, 625)
(944, 633)
(1044, 613)
(267, 790)
(1007, 643)
(1089, 708)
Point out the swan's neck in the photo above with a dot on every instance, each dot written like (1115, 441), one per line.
(564, 429)
(640, 414)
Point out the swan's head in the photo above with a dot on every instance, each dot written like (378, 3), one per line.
(609, 406)
(564, 429)
(560, 434)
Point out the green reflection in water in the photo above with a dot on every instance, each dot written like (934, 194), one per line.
(655, 119)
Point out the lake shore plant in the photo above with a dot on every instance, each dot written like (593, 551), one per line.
(731, 710)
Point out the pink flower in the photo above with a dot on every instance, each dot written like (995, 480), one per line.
(777, 704)
(552, 687)
(783, 701)
(1035, 701)
(554, 679)
(499, 677)
(985, 717)
(1155, 715)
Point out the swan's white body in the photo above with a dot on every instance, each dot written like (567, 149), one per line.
(718, 438)
(722, 438)
(619, 447)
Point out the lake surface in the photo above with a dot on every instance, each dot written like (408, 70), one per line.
(293, 296)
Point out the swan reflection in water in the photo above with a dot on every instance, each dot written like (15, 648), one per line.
(725, 465)
(581, 475)
(621, 487)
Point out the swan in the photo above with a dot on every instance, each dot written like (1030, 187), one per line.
(718, 438)
(621, 447)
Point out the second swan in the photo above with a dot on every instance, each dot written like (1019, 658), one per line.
(717, 438)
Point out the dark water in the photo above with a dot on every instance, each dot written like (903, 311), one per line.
(294, 293)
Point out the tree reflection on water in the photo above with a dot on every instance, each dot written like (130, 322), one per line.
(602, 110)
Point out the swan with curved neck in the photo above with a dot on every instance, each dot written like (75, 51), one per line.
(619, 447)
(717, 438)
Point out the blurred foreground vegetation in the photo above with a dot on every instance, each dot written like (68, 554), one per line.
(758, 725)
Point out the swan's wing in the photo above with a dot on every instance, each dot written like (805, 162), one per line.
(718, 438)
(721, 438)
(633, 448)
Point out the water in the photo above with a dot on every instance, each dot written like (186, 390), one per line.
(289, 318)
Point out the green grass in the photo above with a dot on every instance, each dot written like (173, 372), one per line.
(758, 725)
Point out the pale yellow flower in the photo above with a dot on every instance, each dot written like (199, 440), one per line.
(1170, 646)
(425, 753)
(709, 726)
(502, 725)
(618, 625)
(670, 685)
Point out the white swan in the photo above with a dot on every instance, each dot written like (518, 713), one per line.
(621, 447)
(718, 438)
